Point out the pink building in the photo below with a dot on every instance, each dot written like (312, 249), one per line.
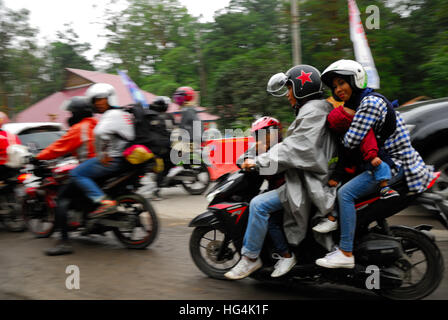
(76, 84)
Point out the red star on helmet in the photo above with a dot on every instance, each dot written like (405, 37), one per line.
(305, 77)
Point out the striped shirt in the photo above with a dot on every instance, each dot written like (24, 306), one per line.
(371, 114)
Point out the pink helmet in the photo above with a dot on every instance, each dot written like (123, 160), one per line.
(183, 94)
(264, 123)
(3, 118)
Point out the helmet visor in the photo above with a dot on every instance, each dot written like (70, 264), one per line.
(277, 85)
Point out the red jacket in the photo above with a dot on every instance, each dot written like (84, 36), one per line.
(339, 121)
(79, 140)
(6, 139)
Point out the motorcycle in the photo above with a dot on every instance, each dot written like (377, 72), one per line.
(135, 222)
(192, 175)
(11, 190)
(408, 262)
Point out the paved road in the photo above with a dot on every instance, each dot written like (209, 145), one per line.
(163, 271)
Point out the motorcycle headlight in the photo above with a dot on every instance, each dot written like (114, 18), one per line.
(210, 197)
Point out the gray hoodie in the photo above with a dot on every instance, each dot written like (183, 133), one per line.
(113, 132)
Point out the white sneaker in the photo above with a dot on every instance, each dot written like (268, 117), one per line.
(336, 259)
(243, 268)
(326, 226)
(283, 265)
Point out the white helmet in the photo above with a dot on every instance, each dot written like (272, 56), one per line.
(353, 69)
(103, 90)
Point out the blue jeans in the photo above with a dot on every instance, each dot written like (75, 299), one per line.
(382, 172)
(84, 175)
(260, 209)
(360, 186)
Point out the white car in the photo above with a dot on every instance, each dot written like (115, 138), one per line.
(36, 135)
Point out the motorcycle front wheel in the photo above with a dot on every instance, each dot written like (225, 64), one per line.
(205, 245)
(39, 218)
(143, 224)
(423, 266)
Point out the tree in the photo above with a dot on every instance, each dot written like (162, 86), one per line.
(66, 52)
(147, 30)
(18, 65)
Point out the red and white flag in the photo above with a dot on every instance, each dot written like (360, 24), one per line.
(362, 50)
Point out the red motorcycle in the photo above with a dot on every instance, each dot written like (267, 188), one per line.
(135, 222)
(409, 262)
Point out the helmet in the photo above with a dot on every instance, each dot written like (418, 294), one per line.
(102, 90)
(79, 107)
(183, 94)
(160, 104)
(304, 79)
(265, 123)
(346, 69)
(77, 104)
(3, 118)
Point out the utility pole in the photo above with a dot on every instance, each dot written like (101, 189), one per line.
(295, 27)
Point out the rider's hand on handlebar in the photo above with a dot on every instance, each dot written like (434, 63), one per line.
(332, 183)
(248, 164)
(35, 161)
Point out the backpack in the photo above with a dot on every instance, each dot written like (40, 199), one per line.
(150, 133)
(388, 128)
(390, 123)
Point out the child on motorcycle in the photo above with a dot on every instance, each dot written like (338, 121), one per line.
(271, 127)
(339, 120)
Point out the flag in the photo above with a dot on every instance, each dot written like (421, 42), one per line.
(135, 92)
(362, 50)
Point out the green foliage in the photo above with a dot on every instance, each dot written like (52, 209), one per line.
(230, 60)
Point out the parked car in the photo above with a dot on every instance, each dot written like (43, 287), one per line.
(427, 122)
(36, 135)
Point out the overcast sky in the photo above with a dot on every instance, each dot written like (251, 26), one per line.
(51, 15)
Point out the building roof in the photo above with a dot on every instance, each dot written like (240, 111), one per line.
(76, 84)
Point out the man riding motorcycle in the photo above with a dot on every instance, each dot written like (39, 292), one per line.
(79, 140)
(304, 156)
(112, 134)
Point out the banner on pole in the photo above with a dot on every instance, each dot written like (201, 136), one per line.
(362, 50)
(133, 89)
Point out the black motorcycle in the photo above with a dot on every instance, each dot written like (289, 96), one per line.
(135, 222)
(407, 261)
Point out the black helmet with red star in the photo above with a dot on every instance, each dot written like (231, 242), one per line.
(304, 79)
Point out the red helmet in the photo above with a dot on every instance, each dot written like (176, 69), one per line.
(264, 123)
(3, 118)
(183, 94)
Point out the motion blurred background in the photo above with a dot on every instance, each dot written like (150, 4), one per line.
(230, 59)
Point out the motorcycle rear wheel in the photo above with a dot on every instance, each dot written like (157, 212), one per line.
(419, 249)
(142, 216)
(202, 176)
(205, 243)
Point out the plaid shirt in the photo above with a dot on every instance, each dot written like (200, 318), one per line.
(371, 114)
